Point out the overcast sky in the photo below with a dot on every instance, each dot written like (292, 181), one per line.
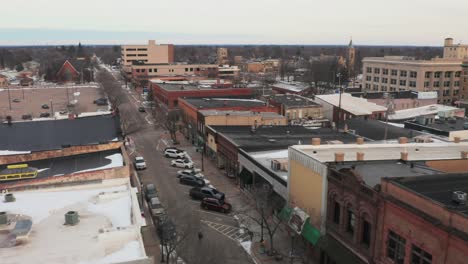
(369, 22)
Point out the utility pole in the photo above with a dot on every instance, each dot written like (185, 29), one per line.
(339, 103)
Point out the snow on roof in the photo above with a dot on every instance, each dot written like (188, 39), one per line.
(420, 111)
(295, 87)
(354, 105)
(108, 231)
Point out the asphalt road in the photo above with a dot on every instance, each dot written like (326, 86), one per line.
(220, 235)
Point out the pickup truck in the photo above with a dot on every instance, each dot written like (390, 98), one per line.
(200, 193)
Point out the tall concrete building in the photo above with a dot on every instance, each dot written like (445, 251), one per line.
(148, 54)
(222, 56)
(457, 51)
(397, 73)
(464, 80)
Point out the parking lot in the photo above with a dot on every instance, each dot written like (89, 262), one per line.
(30, 100)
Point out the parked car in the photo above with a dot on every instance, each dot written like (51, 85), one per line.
(141, 109)
(101, 101)
(26, 117)
(200, 193)
(155, 206)
(150, 191)
(216, 205)
(44, 115)
(181, 163)
(16, 100)
(45, 106)
(174, 153)
(191, 180)
(140, 163)
(192, 173)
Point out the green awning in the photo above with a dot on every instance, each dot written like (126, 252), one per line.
(337, 252)
(310, 233)
(285, 213)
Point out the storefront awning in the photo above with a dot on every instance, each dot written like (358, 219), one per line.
(310, 233)
(285, 213)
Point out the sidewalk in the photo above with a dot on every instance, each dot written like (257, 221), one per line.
(241, 202)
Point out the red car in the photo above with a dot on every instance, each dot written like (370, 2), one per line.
(216, 205)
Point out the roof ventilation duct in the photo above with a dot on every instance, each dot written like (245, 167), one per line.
(72, 218)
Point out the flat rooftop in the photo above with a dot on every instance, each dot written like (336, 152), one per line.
(354, 105)
(411, 113)
(291, 86)
(82, 96)
(375, 129)
(279, 137)
(108, 230)
(214, 102)
(292, 100)
(373, 171)
(54, 134)
(61, 166)
(389, 151)
(456, 124)
(438, 188)
(265, 158)
(214, 112)
(190, 87)
(381, 95)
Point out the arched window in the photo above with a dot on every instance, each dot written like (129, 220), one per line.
(350, 220)
(366, 230)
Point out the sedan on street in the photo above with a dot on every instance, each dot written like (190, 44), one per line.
(182, 163)
(191, 180)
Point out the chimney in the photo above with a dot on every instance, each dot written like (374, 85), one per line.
(360, 140)
(402, 140)
(464, 154)
(404, 156)
(315, 141)
(339, 156)
(359, 156)
(456, 140)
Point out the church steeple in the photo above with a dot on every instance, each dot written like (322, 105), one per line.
(351, 43)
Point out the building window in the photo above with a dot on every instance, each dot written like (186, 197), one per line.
(350, 221)
(150, 70)
(458, 74)
(137, 70)
(448, 74)
(456, 83)
(366, 233)
(419, 256)
(456, 92)
(428, 74)
(369, 70)
(376, 79)
(426, 84)
(186, 69)
(447, 84)
(142, 55)
(368, 78)
(412, 84)
(131, 49)
(383, 88)
(392, 89)
(385, 71)
(143, 70)
(413, 74)
(393, 81)
(396, 248)
(403, 73)
(198, 69)
(384, 80)
(142, 49)
(155, 70)
(375, 87)
(377, 70)
(336, 213)
(367, 86)
(436, 84)
(403, 82)
(446, 93)
(191, 69)
(394, 72)
(437, 74)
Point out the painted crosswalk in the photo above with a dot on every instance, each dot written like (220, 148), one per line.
(232, 232)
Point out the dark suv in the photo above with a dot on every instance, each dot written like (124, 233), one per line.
(191, 180)
(205, 192)
(150, 191)
(216, 205)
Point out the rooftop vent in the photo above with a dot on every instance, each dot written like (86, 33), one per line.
(9, 197)
(459, 197)
(3, 218)
(72, 218)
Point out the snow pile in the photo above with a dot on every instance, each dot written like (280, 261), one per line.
(116, 161)
(129, 252)
(246, 245)
(119, 218)
(12, 152)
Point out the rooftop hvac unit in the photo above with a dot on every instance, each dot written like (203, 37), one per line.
(3, 218)
(275, 165)
(459, 197)
(72, 218)
(9, 197)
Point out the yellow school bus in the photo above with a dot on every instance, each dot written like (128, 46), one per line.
(18, 172)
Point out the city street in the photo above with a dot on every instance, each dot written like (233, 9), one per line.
(221, 233)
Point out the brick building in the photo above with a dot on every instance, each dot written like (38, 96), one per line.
(421, 221)
(295, 107)
(168, 94)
